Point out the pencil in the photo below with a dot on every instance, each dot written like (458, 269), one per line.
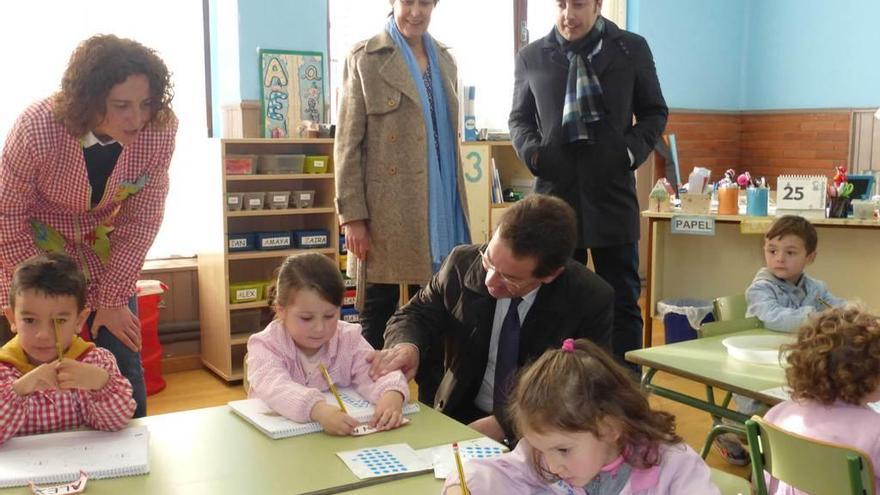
(823, 301)
(59, 347)
(464, 488)
(333, 388)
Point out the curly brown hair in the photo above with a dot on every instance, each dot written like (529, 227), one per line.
(98, 64)
(836, 357)
(575, 391)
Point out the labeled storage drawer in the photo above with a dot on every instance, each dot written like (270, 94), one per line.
(244, 292)
(348, 297)
(254, 200)
(240, 165)
(281, 164)
(274, 240)
(309, 239)
(316, 164)
(240, 242)
(244, 321)
(278, 200)
(302, 199)
(350, 315)
(234, 201)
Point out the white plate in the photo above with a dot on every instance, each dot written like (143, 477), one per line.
(758, 349)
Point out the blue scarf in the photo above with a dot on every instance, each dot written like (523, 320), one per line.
(447, 227)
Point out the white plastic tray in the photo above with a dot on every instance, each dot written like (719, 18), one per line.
(758, 349)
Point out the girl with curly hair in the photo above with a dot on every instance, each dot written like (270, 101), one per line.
(587, 429)
(833, 374)
(85, 172)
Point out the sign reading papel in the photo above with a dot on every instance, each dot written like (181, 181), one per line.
(693, 224)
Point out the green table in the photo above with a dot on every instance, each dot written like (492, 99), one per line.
(706, 361)
(213, 451)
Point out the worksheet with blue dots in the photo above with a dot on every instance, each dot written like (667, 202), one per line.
(383, 461)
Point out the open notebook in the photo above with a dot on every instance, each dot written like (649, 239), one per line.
(59, 457)
(257, 413)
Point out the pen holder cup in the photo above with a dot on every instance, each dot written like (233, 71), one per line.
(839, 207)
(757, 200)
(728, 201)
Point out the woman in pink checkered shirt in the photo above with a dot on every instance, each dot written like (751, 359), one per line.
(85, 172)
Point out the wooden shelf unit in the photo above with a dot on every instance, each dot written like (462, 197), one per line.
(223, 347)
(477, 158)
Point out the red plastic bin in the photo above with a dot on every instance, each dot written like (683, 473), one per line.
(149, 294)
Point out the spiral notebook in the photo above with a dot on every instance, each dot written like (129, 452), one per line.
(274, 425)
(59, 457)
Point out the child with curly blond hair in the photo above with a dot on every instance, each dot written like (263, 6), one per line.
(834, 374)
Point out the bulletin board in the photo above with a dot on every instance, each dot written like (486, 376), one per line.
(291, 90)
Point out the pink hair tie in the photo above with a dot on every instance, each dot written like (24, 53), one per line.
(568, 345)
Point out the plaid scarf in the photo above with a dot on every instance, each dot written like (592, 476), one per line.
(583, 91)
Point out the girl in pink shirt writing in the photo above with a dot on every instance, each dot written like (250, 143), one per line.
(284, 360)
(834, 374)
(586, 429)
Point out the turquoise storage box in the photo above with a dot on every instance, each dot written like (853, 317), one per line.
(311, 239)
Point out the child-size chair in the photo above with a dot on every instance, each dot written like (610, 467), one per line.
(730, 316)
(813, 466)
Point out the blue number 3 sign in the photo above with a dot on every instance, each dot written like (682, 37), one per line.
(477, 165)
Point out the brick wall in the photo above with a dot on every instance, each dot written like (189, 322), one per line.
(765, 144)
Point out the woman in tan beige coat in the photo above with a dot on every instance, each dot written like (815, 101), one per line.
(399, 188)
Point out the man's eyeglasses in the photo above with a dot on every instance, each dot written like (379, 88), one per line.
(488, 266)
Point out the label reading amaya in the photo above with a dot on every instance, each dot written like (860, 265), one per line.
(275, 242)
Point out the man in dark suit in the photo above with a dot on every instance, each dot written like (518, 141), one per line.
(493, 308)
(576, 92)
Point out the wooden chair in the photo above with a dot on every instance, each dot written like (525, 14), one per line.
(730, 484)
(813, 466)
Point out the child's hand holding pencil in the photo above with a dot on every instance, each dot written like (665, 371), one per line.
(334, 421)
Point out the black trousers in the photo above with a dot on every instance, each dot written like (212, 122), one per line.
(619, 266)
(380, 302)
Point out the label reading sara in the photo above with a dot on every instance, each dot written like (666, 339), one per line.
(693, 225)
(313, 240)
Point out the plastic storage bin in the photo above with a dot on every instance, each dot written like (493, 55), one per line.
(278, 200)
(302, 199)
(350, 315)
(245, 292)
(316, 164)
(244, 321)
(274, 240)
(281, 164)
(240, 242)
(234, 201)
(682, 317)
(240, 165)
(311, 239)
(149, 294)
(254, 200)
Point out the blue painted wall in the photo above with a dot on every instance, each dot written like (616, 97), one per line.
(763, 54)
(280, 24)
(813, 54)
(697, 46)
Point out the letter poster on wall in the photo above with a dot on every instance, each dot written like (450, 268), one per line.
(291, 90)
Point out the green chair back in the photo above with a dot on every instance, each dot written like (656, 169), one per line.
(812, 466)
(730, 307)
(714, 328)
(729, 484)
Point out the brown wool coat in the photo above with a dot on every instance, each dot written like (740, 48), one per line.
(381, 160)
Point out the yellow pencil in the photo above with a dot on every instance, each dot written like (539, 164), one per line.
(333, 388)
(464, 488)
(58, 345)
